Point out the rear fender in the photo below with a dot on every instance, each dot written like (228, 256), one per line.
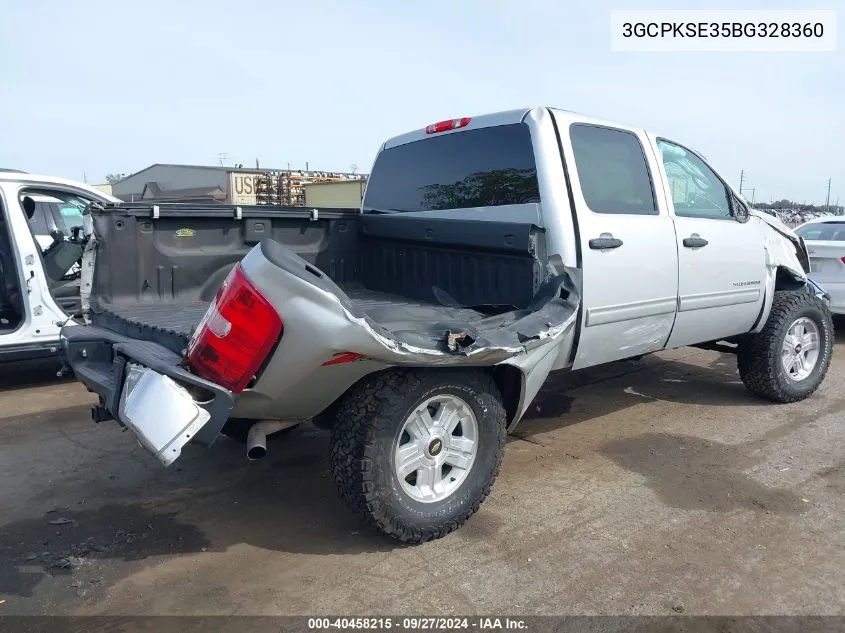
(533, 370)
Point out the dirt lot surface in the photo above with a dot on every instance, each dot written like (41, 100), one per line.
(656, 486)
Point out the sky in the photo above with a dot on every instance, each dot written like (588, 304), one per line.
(91, 88)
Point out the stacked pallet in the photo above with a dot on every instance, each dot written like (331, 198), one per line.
(286, 188)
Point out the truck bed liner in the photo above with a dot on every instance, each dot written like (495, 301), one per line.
(169, 324)
(172, 324)
(178, 320)
(383, 306)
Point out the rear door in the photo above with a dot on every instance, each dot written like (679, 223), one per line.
(627, 241)
(721, 261)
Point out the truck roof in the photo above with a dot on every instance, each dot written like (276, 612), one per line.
(37, 179)
(497, 118)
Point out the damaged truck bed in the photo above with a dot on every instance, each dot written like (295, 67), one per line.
(441, 330)
(422, 290)
(411, 330)
(383, 290)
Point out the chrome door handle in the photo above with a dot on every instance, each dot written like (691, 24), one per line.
(604, 242)
(695, 241)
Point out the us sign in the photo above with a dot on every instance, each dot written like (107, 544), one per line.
(242, 188)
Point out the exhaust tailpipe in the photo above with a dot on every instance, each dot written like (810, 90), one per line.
(256, 440)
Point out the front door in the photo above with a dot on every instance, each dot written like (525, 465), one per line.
(721, 261)
(628, 253)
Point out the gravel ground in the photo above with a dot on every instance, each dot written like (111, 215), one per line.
(656, 486)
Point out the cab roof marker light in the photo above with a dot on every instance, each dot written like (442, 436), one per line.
(445, 126)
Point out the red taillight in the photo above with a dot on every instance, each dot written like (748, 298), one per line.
(843, 260)
(237, 332)
(445, 126)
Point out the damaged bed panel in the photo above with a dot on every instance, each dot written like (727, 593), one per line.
(381, 332)
(414, 333)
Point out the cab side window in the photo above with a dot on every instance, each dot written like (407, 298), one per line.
(612, 170)
(696, 190)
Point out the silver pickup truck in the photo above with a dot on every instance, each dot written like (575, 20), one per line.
(488, 252)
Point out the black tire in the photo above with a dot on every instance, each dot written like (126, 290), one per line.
(368, 423)
(759, 355)
(238, 429)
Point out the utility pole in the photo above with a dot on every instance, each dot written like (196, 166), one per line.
(752, 190)
(827, 202)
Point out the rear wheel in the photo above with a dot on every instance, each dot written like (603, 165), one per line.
(788, 359)
(415, 452)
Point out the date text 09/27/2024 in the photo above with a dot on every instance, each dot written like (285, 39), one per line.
(417, 624)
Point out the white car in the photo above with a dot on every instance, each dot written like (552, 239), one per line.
(37, 293)
(825, 239)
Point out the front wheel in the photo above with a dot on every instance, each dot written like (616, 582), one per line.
(788, 359)
(415, 452)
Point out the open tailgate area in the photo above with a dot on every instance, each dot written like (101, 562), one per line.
(102, 359)
(153, 270)
(157, 267)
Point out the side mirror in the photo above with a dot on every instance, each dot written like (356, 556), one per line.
(739, 211)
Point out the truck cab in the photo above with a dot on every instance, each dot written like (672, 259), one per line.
(651, 216)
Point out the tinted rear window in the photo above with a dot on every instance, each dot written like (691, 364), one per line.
(491, 166)
(824, 231)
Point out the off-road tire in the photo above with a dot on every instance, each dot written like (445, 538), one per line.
(369, 419)
(759, 355)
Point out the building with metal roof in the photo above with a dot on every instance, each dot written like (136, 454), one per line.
(224, 184)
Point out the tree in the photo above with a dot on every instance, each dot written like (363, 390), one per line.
(114, 178)
(800, 206)
(484, 188)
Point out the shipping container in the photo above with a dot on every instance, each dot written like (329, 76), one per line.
(335, 194)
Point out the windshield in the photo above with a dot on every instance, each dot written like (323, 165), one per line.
(487, 167)
(823, 231)
(71, 215)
